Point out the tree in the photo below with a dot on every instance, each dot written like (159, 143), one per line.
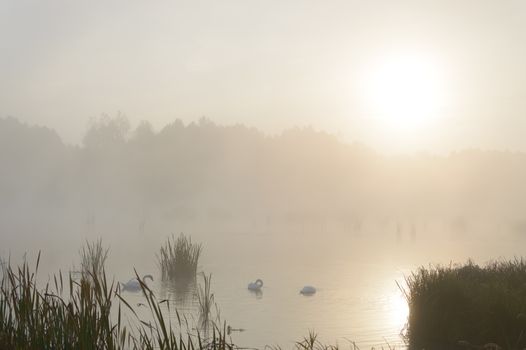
(106, 132)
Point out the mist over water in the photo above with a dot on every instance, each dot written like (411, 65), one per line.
(296, 209)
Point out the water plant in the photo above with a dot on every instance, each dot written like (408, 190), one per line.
(3, 266)
(93, 257)
(468, 306)
(205, 299)
(86, 314)
(34, 318)
(178, 258)
(311, 342)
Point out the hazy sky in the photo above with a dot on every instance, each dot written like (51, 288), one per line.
(270, 64)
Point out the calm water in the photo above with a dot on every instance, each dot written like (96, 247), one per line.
(357, 297)
(356, 275)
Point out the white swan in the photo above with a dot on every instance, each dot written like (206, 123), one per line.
(308, 290)
(255, 286)
(133, 285)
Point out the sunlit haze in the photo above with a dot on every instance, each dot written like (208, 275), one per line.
(264, 175)
(405, 94)
(372, 72)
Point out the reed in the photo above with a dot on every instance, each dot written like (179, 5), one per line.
(458, 307)
(311, 342)
(33, 318)
(69, 314)
(93, 258)
(205, 300)
(3, 266)
(178, 258)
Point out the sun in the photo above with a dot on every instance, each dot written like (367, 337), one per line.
(404, 93)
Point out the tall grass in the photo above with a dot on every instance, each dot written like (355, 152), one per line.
(33, 318)
(178, 258)
(93, 257)
(311, 342)
(66, 314)
(3, 267)
(205, 300)
(468, 306)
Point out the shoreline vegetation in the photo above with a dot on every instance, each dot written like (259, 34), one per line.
(468, 306)
(69, 313)
(89, 313)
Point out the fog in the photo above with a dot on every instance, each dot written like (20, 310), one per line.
(290, 208)
(271, 64)
(336, 145)
(236, 178)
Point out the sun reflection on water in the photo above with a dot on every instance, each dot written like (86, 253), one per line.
(398, 309)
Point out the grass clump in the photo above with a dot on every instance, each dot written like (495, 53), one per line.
(468, 306)
(93, 257)
(311, 342)
(178, 258)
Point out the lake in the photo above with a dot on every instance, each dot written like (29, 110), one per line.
(356, 274)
